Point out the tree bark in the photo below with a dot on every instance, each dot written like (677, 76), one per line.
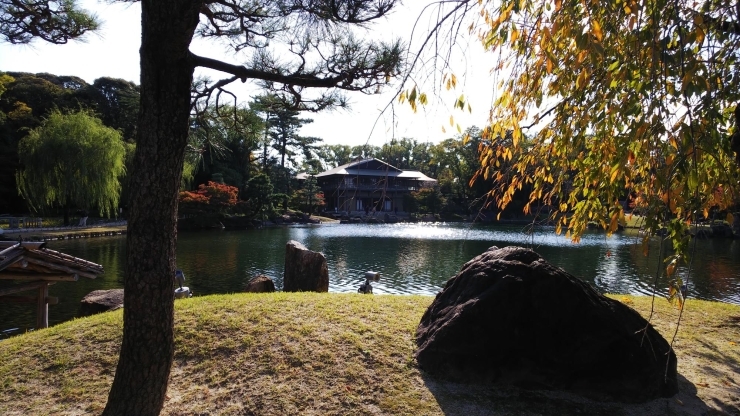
(147, 348)
(286, 189)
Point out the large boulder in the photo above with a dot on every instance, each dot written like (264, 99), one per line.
(101, 301)
(305, 270)
(510, 317)
(260, 284)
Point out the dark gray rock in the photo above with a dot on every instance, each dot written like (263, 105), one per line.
(260, 284)
(510, 317)
(305, 270)
(101, 301)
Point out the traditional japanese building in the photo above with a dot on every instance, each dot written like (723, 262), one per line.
(369, 185)
(34, 267)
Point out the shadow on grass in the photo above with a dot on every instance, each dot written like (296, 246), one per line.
(477, 400)
(712, 353)
(724, 369)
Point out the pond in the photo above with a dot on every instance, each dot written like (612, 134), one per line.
(411, 258)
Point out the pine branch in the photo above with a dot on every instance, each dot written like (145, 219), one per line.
(343, 80)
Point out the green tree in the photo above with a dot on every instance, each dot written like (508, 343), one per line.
(283, 130)
(266, 104)
(312, 163)
(410, 203)
(429, 200)
(221, 142)
(8, 155)
(72, 160)
(454, 162)
(398, 153)
(29, 98)
(41, 96)
(618, 97)
(333, 155)
(406, 153)
(260, 194)
(4, 80)
(56, 21)
(282, 125)
(365, 151)
(117, 103)
(310, 197)
(421, 156)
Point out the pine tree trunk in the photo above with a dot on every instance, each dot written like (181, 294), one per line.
(147, 348)
(286, 185)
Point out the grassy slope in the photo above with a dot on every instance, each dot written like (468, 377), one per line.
(319, 354)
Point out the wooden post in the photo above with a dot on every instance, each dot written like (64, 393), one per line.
(42, 307)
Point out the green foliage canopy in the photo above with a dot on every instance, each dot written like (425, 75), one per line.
(55, 21)
(260, 193)
(310, 197)
(72, 160)
(222, 141)
(428, 200)
(29, 98)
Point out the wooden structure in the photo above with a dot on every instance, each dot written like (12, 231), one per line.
(368, 184)
(35, 267)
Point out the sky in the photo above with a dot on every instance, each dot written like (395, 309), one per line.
(113, 51)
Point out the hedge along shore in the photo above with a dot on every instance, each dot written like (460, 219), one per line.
(334, 354)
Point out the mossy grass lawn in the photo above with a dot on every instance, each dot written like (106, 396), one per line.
(333, 354)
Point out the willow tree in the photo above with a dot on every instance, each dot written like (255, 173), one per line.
(72, 160)
(621, 99)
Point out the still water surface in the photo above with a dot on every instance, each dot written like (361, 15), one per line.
(412, 259)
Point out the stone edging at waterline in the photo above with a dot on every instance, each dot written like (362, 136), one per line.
(64, 233)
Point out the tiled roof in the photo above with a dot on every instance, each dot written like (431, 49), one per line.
(32, 259)
(359, 168)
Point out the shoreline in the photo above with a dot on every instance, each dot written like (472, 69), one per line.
(64, 233)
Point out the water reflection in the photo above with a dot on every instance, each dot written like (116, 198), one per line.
(412, 258)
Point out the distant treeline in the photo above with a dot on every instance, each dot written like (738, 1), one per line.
(26, 99)
(255, 145)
